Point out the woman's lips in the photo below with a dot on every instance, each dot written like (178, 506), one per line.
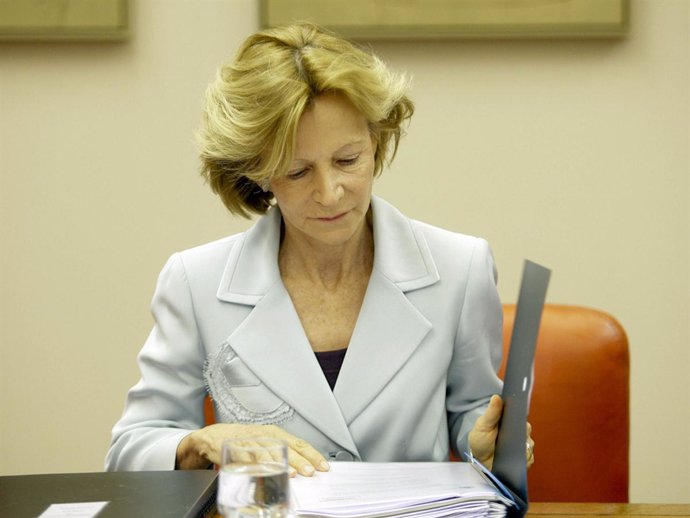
(332, 218)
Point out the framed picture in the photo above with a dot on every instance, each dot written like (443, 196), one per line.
(409, 19)
(68, 20)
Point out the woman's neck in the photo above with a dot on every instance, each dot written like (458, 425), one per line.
(327, 265)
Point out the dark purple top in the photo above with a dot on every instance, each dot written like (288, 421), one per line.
(330, 362)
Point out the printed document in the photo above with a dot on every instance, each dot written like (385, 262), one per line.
(373, 489)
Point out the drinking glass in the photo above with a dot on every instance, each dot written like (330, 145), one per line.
(254, 478)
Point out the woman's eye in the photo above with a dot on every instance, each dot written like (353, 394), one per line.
(351, 160)
(294, 175)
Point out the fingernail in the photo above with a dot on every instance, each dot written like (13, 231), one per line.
(324, 466)
(308, 470)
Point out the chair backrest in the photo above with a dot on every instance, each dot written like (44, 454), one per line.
(579, 407)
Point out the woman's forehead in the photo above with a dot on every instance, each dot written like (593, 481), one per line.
(331, 122)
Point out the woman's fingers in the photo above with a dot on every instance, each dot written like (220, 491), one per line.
(482, 437)
(303, 458)
(491, 417)
(311, 454)
(529, 446)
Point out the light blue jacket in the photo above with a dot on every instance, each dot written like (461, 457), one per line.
(419, 369)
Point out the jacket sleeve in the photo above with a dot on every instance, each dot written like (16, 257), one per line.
(472, 378)
(167, 402)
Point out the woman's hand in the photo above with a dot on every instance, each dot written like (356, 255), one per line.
(202, 447)
(482, 437)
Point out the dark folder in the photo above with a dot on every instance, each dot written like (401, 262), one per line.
(509, 471)
(179, 494)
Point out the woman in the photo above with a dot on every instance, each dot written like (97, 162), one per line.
(335, 322)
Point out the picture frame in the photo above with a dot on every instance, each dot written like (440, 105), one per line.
(438, 19)
(64, 20)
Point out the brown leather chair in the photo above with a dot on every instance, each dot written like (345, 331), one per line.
(579, 408)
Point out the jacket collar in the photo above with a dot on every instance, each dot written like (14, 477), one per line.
(401, 255)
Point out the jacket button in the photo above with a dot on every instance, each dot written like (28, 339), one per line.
(343, 455)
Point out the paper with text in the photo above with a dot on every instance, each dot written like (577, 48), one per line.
(371, 489)
(73, 510)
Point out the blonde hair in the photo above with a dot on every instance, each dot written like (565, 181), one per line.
(254, 106)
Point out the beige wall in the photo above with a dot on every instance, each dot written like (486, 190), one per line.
(574, 154)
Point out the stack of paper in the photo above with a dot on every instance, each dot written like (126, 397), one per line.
(409, 489)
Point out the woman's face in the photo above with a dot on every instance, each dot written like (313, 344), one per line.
(325, 196)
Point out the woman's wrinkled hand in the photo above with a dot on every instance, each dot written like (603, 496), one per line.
(203, 447)
(482, 437)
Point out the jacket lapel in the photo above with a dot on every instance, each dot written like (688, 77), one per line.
(252, 266)
(389, 328)
(388, 331)
(272, 343)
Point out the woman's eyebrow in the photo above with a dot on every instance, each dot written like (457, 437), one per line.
(343, 149)
(355, 143)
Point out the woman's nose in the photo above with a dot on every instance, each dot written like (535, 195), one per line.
(328, 189)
